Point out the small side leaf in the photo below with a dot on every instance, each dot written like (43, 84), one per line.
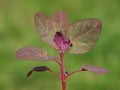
(37, 69)
(33, 53)
(40, 68)
(94, 69)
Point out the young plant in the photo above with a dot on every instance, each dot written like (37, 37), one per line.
(57, 32)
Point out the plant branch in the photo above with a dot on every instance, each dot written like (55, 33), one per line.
(57, 61)
(55, 73)
(74, 72)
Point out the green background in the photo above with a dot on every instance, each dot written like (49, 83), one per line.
(17, 30)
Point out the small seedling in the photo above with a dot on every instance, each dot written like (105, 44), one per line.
(57, 32)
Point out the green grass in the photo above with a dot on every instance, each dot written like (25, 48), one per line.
(17, 30)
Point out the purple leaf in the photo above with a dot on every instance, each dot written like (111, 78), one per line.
(47, 27)
(60, 21)
(94, 69)
(32, 53)
(62, 42)
(37, 69)
(84, 34)
(40, 68)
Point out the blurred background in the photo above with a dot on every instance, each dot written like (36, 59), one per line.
(17, 30)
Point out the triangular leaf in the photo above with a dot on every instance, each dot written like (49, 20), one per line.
(84, 34)
(94, 69)
(33, 53)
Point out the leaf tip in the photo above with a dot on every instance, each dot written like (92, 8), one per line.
(29, 73)
(99, 25)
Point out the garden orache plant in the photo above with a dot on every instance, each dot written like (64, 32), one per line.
(57, 32)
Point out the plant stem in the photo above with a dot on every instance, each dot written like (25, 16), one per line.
(63, 72)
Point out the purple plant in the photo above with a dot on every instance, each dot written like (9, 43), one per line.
(57, 32)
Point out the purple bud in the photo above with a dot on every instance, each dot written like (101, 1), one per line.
(62, 42)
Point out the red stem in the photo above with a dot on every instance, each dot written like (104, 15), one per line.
(63, 77)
